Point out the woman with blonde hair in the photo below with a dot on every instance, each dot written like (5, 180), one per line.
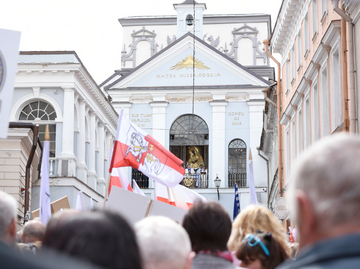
(252, 219)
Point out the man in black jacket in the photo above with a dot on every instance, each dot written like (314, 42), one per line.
(325, 201)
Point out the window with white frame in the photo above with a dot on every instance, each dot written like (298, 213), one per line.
(287, 75)
(307, 123)
(315, 19)
(293, 68)
(293, 142)
(300, 132)
(324, 8)
(325, 101)
(316, 112)
(337, 113)
(299, 52)
(287, 142)
(307, 34)
(41, 113)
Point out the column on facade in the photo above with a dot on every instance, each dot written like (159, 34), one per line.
(256, 108)
(80, 162)
(218, 158)
(67, 164)
(158, 121)
(100, 161)
(91, 166)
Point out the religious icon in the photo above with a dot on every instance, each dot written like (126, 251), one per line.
(195, 159)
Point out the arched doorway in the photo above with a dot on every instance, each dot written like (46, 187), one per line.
(189, 141)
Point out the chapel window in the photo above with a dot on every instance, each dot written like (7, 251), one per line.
(41, 113)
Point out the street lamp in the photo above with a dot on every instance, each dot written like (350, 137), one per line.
(217, 182)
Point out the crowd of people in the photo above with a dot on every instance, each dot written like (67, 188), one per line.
(324, 199)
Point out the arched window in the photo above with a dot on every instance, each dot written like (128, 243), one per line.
(237, 163)
(189, 130)
(41, 113)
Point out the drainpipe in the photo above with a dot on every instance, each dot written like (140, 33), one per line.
(267, 43)
(349, 48)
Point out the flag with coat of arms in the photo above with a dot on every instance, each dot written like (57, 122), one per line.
(134, 147)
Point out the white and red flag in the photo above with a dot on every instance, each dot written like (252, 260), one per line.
(137, 189)
(119, 179)
(134, 147)
(178, 196)
(188, 195)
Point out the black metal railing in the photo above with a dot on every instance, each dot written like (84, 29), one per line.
(238, 178)
(141, 180)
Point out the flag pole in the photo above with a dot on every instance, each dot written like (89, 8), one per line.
(109, 175)
(148, 209)
(45, 207)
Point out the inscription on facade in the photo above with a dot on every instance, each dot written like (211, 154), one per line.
(236, 117)
(141, 120)
(190, 75)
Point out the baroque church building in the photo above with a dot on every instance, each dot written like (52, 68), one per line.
(196, 83)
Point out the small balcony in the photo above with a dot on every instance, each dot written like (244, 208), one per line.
(238, 178)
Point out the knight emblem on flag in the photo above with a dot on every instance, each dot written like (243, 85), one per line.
(140, 148)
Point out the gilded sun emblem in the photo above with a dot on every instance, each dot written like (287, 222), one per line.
(2, 70)
(188, 63)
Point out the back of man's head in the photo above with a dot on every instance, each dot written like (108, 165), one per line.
(8, 209)
(209, 227)
(33, 231)
(164, 244)
(325, 190)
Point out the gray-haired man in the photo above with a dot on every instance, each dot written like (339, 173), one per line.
(325, 202)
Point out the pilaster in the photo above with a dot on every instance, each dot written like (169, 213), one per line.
(67, 164)
(217, 142)
(100, 178)
(91, 167)
(81, 171)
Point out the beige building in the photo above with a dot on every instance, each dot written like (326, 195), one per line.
(19, 160)
(315, 41)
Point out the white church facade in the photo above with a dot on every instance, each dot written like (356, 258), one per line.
(198, 90)
(195, 82)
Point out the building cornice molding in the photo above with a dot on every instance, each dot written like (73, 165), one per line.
(207, 19)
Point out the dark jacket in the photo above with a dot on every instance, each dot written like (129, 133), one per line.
(204, 261)
(336, 253)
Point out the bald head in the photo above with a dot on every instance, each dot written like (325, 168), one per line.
(33, 231)
(163, 243)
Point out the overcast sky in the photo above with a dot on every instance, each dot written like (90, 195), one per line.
(91, 27)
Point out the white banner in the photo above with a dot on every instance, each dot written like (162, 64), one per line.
(9, 52)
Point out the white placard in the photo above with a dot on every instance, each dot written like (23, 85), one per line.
(162, 209)
(9, 53)
(130, 205)
(133, 207)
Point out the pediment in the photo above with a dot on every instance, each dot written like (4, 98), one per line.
(143, 33)
(173, 67)
(246, 29)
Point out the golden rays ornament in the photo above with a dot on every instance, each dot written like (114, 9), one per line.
(188, 63)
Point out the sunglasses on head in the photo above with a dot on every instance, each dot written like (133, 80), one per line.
(253, 240)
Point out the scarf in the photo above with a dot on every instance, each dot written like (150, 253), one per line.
(222, 254)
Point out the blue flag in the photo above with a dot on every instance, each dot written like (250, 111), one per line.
(236, 202)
